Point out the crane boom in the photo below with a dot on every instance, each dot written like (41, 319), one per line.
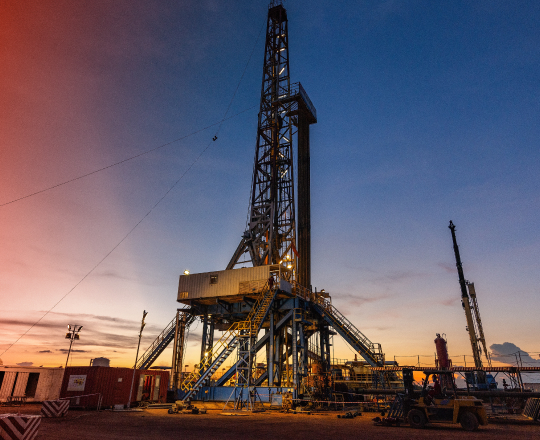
(472, 312)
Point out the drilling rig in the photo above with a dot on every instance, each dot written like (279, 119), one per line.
(479, 378)
(278, 326)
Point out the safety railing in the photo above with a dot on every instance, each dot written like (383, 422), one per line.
(250, 326)
(297, 89)
(371, 349)
(163, 336)
(314, 297)
(211, 355)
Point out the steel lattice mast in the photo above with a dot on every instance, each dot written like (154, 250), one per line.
(294, 318)
(271, 234)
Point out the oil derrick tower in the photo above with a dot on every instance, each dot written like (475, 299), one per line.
(263, 302)
(472, 314)
(285, 109)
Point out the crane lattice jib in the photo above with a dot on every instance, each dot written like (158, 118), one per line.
(250, 326)
(470, 306)
(271, 234)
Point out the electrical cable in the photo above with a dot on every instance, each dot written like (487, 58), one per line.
(114, 248)
(220, 123)
(153, 207)
(129, 158)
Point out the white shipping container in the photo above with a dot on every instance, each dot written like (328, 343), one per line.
(35, 383)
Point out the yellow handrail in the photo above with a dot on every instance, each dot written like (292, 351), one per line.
(251, 324)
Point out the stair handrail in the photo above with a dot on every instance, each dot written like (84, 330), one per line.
(264, 295)
(208, 359)
(250, 325)
(348, 326)
(159, 339)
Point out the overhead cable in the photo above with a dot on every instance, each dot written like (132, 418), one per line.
(126, 160)
(153, 207)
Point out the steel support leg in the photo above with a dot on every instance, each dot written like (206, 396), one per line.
(302, 352)
(270, 355)
(304, 202)
(294, 344)
(278, 360)
(204, 335)
(207, 340)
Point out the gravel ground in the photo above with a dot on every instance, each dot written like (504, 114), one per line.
(156, 424)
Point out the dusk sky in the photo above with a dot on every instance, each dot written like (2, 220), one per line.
(427, 112)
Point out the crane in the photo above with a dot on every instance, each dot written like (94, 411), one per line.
(474, 322)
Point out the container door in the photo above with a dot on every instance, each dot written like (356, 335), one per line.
(140, 390)
(31, 385)
(119, 394)
(8, 384)
(20, 385)
(147, 387)
(156, 388)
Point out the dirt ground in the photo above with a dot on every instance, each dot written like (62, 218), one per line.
(154, 424)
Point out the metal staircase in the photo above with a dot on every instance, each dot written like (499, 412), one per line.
(156, 348)
(371, 352)
(160, 344)
(215, 357)
(260, 310)
(203, 372)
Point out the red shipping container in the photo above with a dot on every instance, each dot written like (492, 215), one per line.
(114, 385)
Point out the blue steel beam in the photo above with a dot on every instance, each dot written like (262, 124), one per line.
(260, 344)
(212, 368)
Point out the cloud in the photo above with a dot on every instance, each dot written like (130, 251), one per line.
(28, 323)
(116, 275)
(114, 341)
(119, 323)
(449, 301)
(25, 364)
(396, 277)
(124, 323)
(52, 321)
(448, 268)
(100, 333)
(112, 274)
(352, 299)
(509, 353)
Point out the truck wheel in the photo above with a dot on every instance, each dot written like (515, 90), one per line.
(416, 418)
(170, 411)
(469, 421)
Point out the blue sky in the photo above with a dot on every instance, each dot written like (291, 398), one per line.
(427, 112)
